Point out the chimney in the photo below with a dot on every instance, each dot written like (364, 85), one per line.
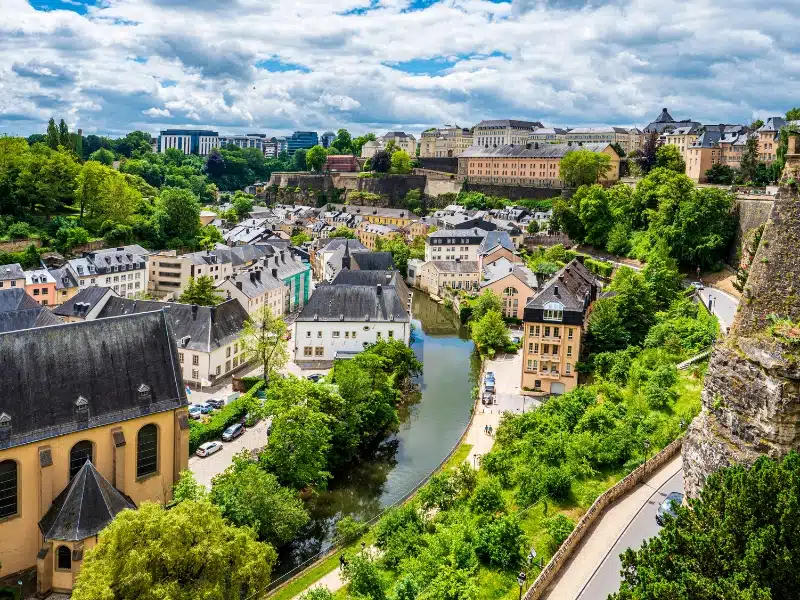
(283, 256)
(258, 275)
(555, 290)
(252, 276)
(239, 285)
(580, 258)
(120, 249)
(561, 277)
(275, 273)
(194, 312)
(380, 289)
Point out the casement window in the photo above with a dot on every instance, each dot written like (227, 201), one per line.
(147, 450)
(79, 454)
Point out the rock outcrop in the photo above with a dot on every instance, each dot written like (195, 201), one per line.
(751, 394)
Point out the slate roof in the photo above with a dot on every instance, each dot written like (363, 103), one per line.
(30, 318)
(509, 123)
(455, 266)
(503, 267)
(16, 299)
(664, 117)
(494, 239)
(83, 302)
(123, 258)
(46, 370)
(522, 150)
(587, 130)
(84, 507)
(65, 278)
(373, 261)
(255, 282)
(38, 276)
(207, 327)
(357, 209)
(335, 243)
(571, 286)
(354, 303)
(11, 271)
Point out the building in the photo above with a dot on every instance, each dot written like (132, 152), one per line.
(369, 148)
(12, 276)
(250, 140)
(19, 310)
(327, 139)
(341, 163)
(527, 164)
(683, 138)
(339, 321)
(454, 244)
(665, 124)
(599, 135)
(373, 278)
(301, 140)
(548, 135)
(256, 288)
(274, 146)
(376, 214)
(457, 274)
(42, 286)
(170, 273)
(497, 245)
(402, 140)
(66, 283)
(246, 234)
(513, 283)
(369, 233)
(85, 305)
(489, 134)
(293, 273)
(188, 141)
(124, 269)
(553, 324)
(111, 395)
(715, 144)
(769, 138)
(448, 141)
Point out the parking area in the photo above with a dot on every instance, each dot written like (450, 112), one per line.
(507, 369)
(204, 469)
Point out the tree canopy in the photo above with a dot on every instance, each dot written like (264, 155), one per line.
(201, 291)
(584, 167)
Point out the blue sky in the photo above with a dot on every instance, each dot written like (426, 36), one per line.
(111, 66)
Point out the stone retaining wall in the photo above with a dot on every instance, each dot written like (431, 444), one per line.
(607, 498)
(19, 245)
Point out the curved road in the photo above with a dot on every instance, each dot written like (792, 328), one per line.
(606, 578)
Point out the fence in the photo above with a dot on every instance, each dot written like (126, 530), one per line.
(608, 497)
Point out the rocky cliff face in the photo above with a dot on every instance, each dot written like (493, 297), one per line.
(751, 394)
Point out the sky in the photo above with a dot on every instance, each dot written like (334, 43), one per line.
(275, 66)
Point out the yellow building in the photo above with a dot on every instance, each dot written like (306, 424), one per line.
(682, 138)
(513, 283)
(369, 233)
(105, 392)
(444, 142)
(552, 329)
(400, 217)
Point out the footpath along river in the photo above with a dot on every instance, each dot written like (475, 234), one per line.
(429, 429)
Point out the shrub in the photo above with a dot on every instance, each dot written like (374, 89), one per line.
(200, 433)
(559, 528)
(349, 530)
(603, 269)
(500, 542)
(488, 497)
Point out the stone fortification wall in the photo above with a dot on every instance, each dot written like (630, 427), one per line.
(512, 192)
(751, 214)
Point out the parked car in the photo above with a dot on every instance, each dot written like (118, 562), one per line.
(195, 412)
(208, 449)
(698, 285)
(487, 398)
(204, 408)
(488, 386)
(215, 402)
(489, 375)
(671, 502)
(516, 339)
(315, 377)
(232, 432)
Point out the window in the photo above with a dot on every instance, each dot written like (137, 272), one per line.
(228, 352)
(569, 350)
(346, 335)
(569, 333)
(8, 488)
(319, 351)
(546, 332)
(353, 335)
(556, 332)
(391, 333)
(535, 365)
(307, 351)
(195, 360)
(378, 334)
(569, 368)
(308, 334)
(536, 348)
(530, 364)
(530, 330)
(80, 453)
(147, 450)
(227, 366)
(537, 330)
(319, 334)
(195, 374)
(555, 350)
(545, 348)
(219, 370)
(63, 559)
(553, 311)
(236, 347)
(530, 347)
(36, 292)
(336, 334)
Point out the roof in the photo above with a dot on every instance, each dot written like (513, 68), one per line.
(664, 117)
(83, 302)
(494, 239)
(399, 134)
(509, 123)
(104, 363)
(503, 268)
(455, 266)
(106, 261)
(38, 276)
(11, 271)
(472, 232)
(571, 286)
(335, 243)
(84, 507)
(255, 282)
(379, 211)
(385, 278)
(373, 261)
(64, 277)
(354, 303)
(609, 129)
(550, 130)
(16, 299)
(199, 328)
(530, 150)
(30, 318)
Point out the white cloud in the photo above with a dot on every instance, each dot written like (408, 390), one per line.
(355, 63)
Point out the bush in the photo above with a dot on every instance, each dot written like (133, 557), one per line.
(232, 413)
(19, 231)
(488, 497)
(500, 542)
(559, 528)
(603, 269)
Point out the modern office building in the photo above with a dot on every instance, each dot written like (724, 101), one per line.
(188, 141)
(302, 140)
(274, 146)
(327, 139)
(250, 140)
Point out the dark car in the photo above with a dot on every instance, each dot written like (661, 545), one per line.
(232, 432)
(315, 378)
(216, 403)
(671, 502)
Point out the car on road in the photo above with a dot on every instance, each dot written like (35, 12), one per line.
(215, 402)
(487, 398)
(488, 385)
(208, 449)
(516, 339)
(195, 412)
(232, 432)
(671, 502)
(698, 285)
(315, 377)
(204, 408)
(489, 375)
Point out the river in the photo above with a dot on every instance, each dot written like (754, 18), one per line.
(430, 427)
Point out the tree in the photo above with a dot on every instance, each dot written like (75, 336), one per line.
(63, 135)
(317, 593)
(749, 161)
(487, 498)
(594, 213)
(342, 232)
(558, 527)
(90, 186)
(343, 144)
(647, 155)
(187, 489)
(201, 291)
(703, 227)
(215, 164)
(401, 162)
(70, 236)
(52, 134)
(533, 227)
(720, 174)
(242, 204)
(178, 215)
(264, 340)
(103, 156)
(757, 124)
(315, 158)
(635, 303)
(669, 157)
(299, 160)
(584, 167)
(382, 161)
(793, 114)
(298, 447)
(661, 275)
(606, 330)
(399, 249)
(299, 238)
(486, 302)
(363, 578)
(184, 553)
(490, 332)
(248, 496)
(358, 143)
(737, 541)
(500, 542)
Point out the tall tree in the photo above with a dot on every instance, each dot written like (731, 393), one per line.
(490, 332)
(63, 135)
(595, 214)
(358, 143)
(487, 301)
(793, 114)
(201, 291)
(315, 158)
(749, 161)
(103, 156)
(52, 134)
(669, 157)
(401, 162)
(647, 156)
(382, 161)
(264, 340)
(584, 167)
(178, 214)
(184, 553)
(299, 160)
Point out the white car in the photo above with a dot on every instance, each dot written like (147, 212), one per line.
(208, 449)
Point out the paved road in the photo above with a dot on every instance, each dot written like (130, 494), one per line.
(722, 304)
(204, 469)
(606, 578)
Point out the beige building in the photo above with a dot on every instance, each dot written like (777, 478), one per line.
(124, 269)
(769, 138)
(714, 147)
(454, 244)
(369, 148)
(600, 135)
(369, 233)
(493, 133)
(400, 217)
(435, 275)
(682, 138)
(527, 164)
(12, 276)
(445, 142)
(256, 288)
(78, 444)
(548, 135)
(553, 325)
(513, 283)
(404, 141)
(495, 246)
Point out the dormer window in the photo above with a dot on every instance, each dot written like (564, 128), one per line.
(5, 421)
(553, 311)
(144, 392)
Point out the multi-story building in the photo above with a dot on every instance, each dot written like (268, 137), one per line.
(549, 135)
(18, 310)
(665, 124)
(599, 135)
(327, 138)
(124, 269)
(402, 140)
(553, 324)
(369, 148)
(513, 283)
(769, 138)
(492, 133)
(341, 163)
(369, 233)
(293, 273)
(682, 138)
(715, 144)
(188, 141)
(250, 140)
(12, 276)
(66, 284)
(339, 321)
(274, 146)
(445, 142)
(527, 164)
(103, 427)
(302, 140)
(256, 288)
(497, 245)
(41, 285)
(454, 244)
(434, 275)
(375, 214)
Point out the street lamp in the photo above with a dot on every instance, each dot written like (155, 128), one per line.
(646, 445)
(521, 581)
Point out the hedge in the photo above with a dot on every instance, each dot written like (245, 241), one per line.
(598, 267)
(232, 413)
(249, 382)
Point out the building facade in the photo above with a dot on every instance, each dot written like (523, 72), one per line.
(250, 140)
(549, 135)
(301, 140)
(454, 244)
(327, 138)
(124, 269)
(514, 284)
(369, 233)
(404, 141)
(188, 141)
(435, 275)
(445, 142)
(12, 276)
(599, 135)
(256, 288)
(41, 285)
(489, 134)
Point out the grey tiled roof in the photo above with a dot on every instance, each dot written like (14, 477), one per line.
(452, 266)
(354, 303)
(46, 370)
(83, 302)
(571, 286)
(335, 243)
(509, 123)
(503, 268)
(494, 239)
(65, 278)
(11, 271)
(373, 278)
(256, 281)
(16, 299)
(373, 261)
(473, 232)
(522, 150)
(29, 318)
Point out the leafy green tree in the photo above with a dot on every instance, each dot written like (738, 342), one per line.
(201, 291)
(451, 583)
(500, 542)
(669, 157)
(399, 249)
(634, 301)
(299, 160)
(248, 496)
(486, 302)
(757, 124)
(661, 275)
(584, 167)
(606, 330)
(349, 530)
(317, 593)
(343, 144)
(358, 143)
(659, 389)
(184, 553)
(19, 231)
(178, 215)
(702, 228)
(720, 174)
(298, 447)
(52, 134)
(737, 541)
(264, 340)
(187, 488)
(315, 158)
(646, 160)
(488, 497)
(793, 114)
(70, 236)
(63, 135)
(103, 156)
(413, 201)
(382, 161)
(342, 232)
(490, 332)
(299, 238)
(401, 162)
(566, 218)
(558, 527)
(619, 239)
(749, 160)
(363, 579)
(242, 204)
(595, 214)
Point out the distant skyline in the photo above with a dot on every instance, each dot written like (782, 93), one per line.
(276, 66)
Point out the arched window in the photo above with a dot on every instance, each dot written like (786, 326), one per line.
(63, 559)
(147, 451)
(8, 488)
(80, 453)
(510, 291)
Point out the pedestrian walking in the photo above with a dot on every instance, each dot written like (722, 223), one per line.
(342, 561)
(363, 546)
